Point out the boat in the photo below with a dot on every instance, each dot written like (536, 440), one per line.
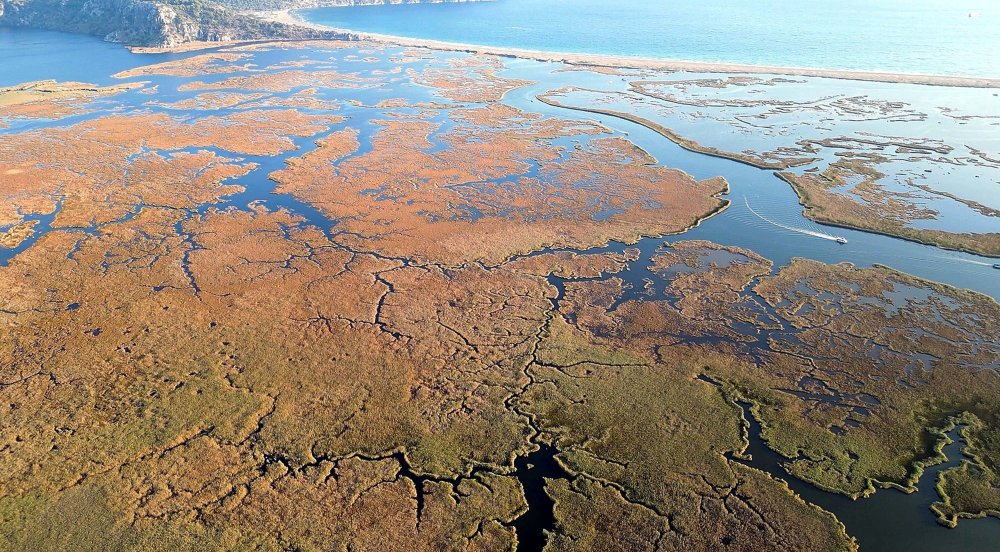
(997, 266)
(840, 239)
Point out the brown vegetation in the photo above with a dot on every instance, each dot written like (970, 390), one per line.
(175, 375)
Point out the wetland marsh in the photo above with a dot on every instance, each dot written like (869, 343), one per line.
(350, 295)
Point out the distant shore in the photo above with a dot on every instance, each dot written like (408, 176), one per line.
(630, 62)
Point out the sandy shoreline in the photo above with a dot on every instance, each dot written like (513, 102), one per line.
(629, 62)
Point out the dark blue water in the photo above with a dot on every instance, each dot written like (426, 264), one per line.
(890, 519)
(909, 36)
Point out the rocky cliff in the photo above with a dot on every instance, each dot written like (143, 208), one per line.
(296, 4)
(165, 22)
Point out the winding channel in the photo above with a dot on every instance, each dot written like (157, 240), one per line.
(738, 225)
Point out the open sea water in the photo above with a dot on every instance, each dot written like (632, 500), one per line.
(940, 37)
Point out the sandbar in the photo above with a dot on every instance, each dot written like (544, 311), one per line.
(634, 62)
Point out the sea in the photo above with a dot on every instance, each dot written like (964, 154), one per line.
(937, 37)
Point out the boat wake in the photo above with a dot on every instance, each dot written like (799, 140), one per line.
(821, 235)
(961, 260)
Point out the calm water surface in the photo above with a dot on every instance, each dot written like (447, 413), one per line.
(29, 55)
(947, 37)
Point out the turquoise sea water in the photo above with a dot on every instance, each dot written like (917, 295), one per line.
(910, 36)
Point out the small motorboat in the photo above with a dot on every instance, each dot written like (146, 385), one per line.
(997, 266)
(840, 239)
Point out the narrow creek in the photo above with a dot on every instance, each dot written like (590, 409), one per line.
(890, 519)
(531, 471)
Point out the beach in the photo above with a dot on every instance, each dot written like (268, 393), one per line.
(628, 62)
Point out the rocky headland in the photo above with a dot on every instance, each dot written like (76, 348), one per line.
(168, 23)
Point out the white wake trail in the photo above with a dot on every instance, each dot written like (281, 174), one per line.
(792, 228)
(961, 260)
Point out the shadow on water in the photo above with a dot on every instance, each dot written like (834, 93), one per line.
(890, 519)
(532, 470)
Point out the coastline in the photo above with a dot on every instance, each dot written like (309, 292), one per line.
(194, 46)
(631, 62)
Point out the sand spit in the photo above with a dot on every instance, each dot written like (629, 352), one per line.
(599, 60)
